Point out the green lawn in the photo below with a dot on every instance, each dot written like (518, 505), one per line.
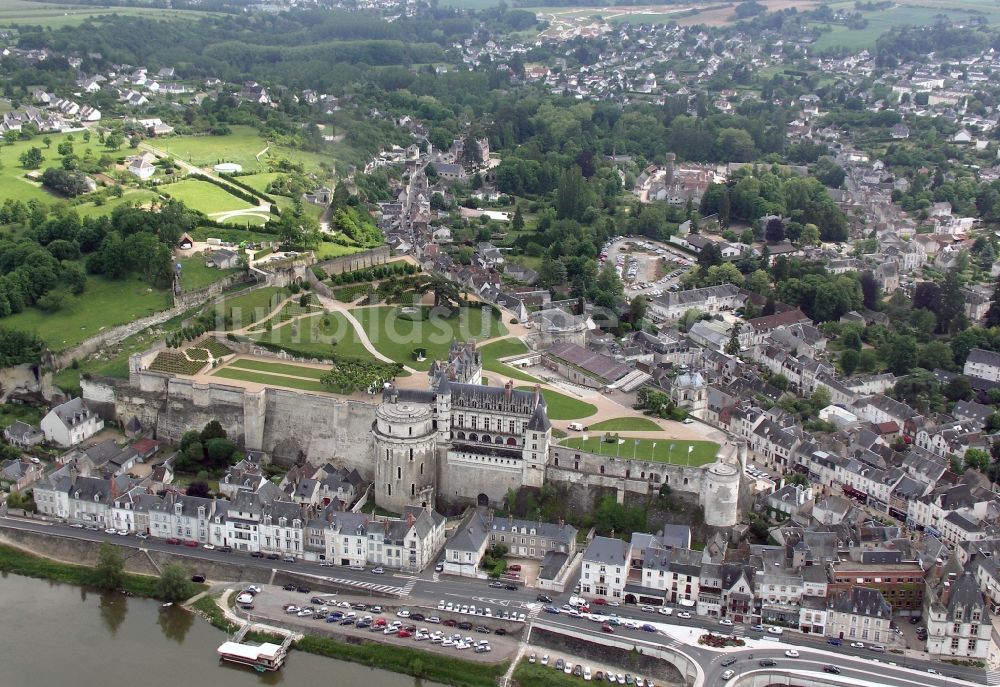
(563, 407)
(245, 309)
(9, 413)
(104, 304)
(397, 337)
(240, 146)
(327, 250)
(269, 379)
(232, 235)
(626, 424)
(315, 336)
(259, 182)
(195, 275)
(502, 349)
(279, 368)
(704, 451)
(204, 197)
(248, 222)
(900, 14)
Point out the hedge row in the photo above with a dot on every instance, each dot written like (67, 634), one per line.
(246, 187)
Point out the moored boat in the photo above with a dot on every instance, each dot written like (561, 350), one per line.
(264, 657)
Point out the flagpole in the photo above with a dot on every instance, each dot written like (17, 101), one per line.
(635, 444)
(670, 454)
(690, 448)
(652, 454)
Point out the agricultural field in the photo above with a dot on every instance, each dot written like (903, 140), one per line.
(56, 15)
(659, 451)
(204, 197)
(104, 304)
(398, 336)
(195, 275)
(563, 407)
(13, 183)
(905, 13)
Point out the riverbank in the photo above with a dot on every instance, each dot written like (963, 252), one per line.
(19, 562)
(392, 657)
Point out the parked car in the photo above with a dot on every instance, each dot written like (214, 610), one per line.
(225, 549)
(140, 535)
(726, 621)
(607, 628)
(289, 587)
(173, 540)
(685, 615)
(439, 567)
(514, 568)
(198, 577)
(256, 554)
(510, 587)
(833, 641)
(378, 571)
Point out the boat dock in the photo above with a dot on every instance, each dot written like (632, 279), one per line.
(266, 657)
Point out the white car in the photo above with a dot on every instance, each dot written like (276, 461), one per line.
(685, 615)
(403, 613)
(666, 611)
(726, 621)
(647, 609)
(122, 533)
(792, 653)
(774, 630)
(688, 421)
(440, 605)
(111, 530)
(727, 674)
(210, 547)
(569, 668)
(378, 571)
(857, 645)
(586, 674)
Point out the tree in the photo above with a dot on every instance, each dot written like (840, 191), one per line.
(900, 353)
(517, 222)
(200, 489)
(47, 140)
(110, 570)
(849, 361)
(552, 272)
(212, 430)
(637, 309)
(993, 314)
(950, 308)
(173, 585)
(870, 291)
(958, 388)
(774, 230)
(809, 235)
(733, 345)
(572, 195)
(114, 140)
(31, 158)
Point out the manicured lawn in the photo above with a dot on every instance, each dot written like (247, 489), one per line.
(195, 275)
(626, 424)
(563, 407)
(327, 250)
(397, 337)
(204, 197)
(251, 307)
(249, 222)
(260, 181)
(320, 336)
(704, 451)
(269, 379)
(104, 304)
(279, 368)
(502, 349)
(240, 146)
(233, 235)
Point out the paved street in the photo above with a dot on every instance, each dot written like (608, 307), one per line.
(426, 589)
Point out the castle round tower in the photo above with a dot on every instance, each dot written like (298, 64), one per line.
(720, 493)
(405, 462)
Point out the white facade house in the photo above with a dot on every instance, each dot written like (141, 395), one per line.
(605, 568)
(70, 423)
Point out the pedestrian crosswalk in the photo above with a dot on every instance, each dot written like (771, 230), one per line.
(534, 610)
(738, 631)
(371, 586)
(993, 677)
(408, 587)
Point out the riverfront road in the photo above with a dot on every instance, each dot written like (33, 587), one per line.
(427, 588)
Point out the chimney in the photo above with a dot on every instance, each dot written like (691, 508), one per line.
(410, 519)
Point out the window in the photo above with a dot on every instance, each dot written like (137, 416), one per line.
(954, 643)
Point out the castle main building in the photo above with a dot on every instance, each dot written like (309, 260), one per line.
(458, 439)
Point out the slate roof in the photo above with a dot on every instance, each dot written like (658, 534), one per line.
(863, 601)
(471, 535)
(607, 551)
(597, 364)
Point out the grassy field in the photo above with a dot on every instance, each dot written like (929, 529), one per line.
(55, 15)
(279, 368)
(133, 196)
(397, 337)
(319, 336)
(195, 275)
(233, 235)
(104, 304)
(260, 181)
(906, 13)
(269, 379)
(250, 307)
(626, 424)
(563, 407)
(704, 451)
(9, 413)
(327, 250)
(204, 197)
(241, 146)
(502, 349)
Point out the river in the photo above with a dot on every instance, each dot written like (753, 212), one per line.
(57, 634)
